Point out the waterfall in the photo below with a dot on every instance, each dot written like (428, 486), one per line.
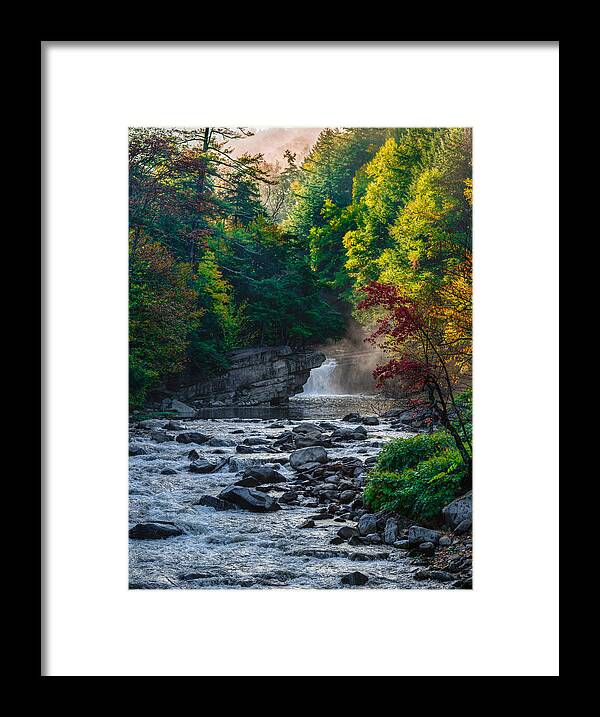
(320, 381)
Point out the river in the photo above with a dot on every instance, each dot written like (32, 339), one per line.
(237, 548)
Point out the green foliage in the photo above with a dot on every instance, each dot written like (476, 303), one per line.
(416, 476)
(464, 403)
(409, 452)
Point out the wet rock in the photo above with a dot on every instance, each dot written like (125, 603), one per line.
(218, 442)
(444, 541)
(308, 524)
(193, 455)
(213, 502)
(192, 437)
(418, 535)
(161, 436)
(464, 583)
(347, 496)
(306, 440)
(439, 575)
(336, 541)
(370, 420)
(247, 449)
(352, 417)
(202, 466)
(346, 532)
(255, 441)
(249, 499)
(154, 531)
(367, 524)
(169, 472)
(350, 434)
(354, 578)
(306, 428)
(181, 409)
(172, 426)
(261, 475)
(390, 533)
(137, 450)
(364, 557)
(458, 510)
(304, 457)
(402, 544)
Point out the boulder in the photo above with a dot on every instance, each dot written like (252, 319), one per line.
(213, 502)
(261, 475)
(427, 548)
(463, 527)
(247, 449)
(172, 426)
(354, 578)
(304, 456)
(218, 442)
(169, 472)
(367, 524)
(460, 509)
(418, 535)
(193, 455)
(161, 436)
(256, 441)
(202, 466)
(370, 420)
(390, 533)
(249, 499)
(352, 417)
(444, 541)
(305, 428)
(346, 532)
(192, 437)
(180, 408)
(154, 531)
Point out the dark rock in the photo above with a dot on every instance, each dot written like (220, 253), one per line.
(192, 437)
(213, 502)
(370, 420)
(354, 578)
(347, 496)
(304, 457)
(444, 541)
(439, 575)
(256, 441)
(390, 534)
(169, 472)
(218, 442)
(364, 557)
(463, 527)
(247, 449)
(154, 531)
(249, 499)
(367, 524)
(308, 524)
(427, 548)
(352, 417)
(202, 466)
(458, 510)
(193, 455)
(418, 535)
(346, 532)
(260, 476)
(172, 426)
(161, 437)
(137, 450)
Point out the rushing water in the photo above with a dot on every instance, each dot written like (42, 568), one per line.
(238, 548)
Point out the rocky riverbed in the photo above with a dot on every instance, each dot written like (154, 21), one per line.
(274, 501)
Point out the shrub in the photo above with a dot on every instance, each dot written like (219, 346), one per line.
(416, 476)
(405, 453)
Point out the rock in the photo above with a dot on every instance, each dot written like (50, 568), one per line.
(390, 533)
(247, 449)
(169, 472)
(365, 557)
(305, 428)
(288, 497)
(249, 499)
(464, 583)
(181, 409)
(308, 524)
(439, 575)
(192, 437)
(346, 532)
(460, 509)
(154, 531)
(418, 535)
(427, 548)
(202, 466)
(367, 524)
(193, 455)
(261, 475)
(402, 544)
(370, 421)
(160, 436)
(463, 527)
(304, 456)
(306, 440)
(137, 450)
(213, 502)
(172, 426)
(350, 434)
(354, 578)
(347, 496)
(351, 417)
(218, 442)
(444, 541)
(256, 441)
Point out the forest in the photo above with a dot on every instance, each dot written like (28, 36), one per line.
(373, 225)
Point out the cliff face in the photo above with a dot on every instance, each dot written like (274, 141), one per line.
(258, 375)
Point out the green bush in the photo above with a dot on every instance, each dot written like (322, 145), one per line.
(409, 452)
(416, 476)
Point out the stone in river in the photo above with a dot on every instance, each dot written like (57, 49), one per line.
(439, 575)
(445, 541)
(427, 548)
(305, 456)
(355, 578)
(172, 426)
(192, 437)
(367, 524)
(267, 474)
(193, 455)
(213, 502)
(161, 436)
(346, 532)
(370, 421)
(463, 527)
(137, 450)
(347, 496)
(154, 531)
(249, 499)
(255, 441)
(202, 466)
(351, 417)
(308, 524)
(247, 449)
(460, 509)
(307, 428)
(169, 472)
(219, 442)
